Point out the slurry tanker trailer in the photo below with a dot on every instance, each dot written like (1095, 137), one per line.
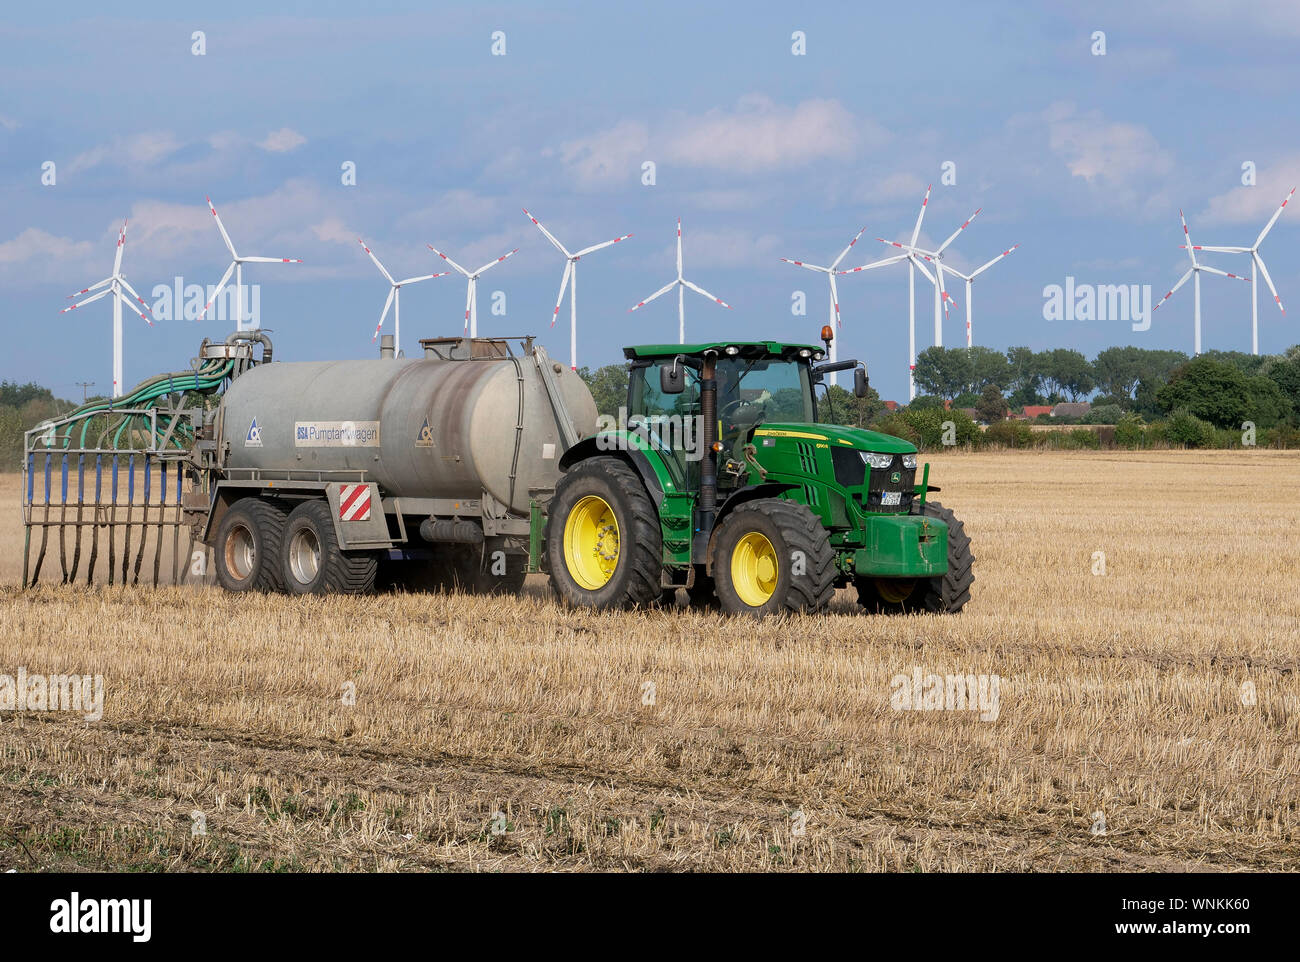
(483, 460)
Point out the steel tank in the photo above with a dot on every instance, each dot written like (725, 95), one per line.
(421, 428)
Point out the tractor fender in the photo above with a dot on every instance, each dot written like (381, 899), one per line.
(751, 492)
(624, 445)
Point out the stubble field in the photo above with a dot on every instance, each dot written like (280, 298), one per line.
(1148, 716)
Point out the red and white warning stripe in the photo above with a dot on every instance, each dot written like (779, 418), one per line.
(354, 502)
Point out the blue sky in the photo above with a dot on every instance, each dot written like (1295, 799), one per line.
(1083, 160)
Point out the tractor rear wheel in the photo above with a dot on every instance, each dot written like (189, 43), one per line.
(946, 594)
(311, 561)
(773, 556)
(603, 540)
(246, 548)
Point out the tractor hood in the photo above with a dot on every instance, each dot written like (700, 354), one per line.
(837, 435)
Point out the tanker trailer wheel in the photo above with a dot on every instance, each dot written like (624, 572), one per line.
(947, 594)
(246, 548)
(773, 556)
(311, 562)
(603, 540)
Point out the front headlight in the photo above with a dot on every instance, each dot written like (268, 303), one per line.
(909, 461)
(878, 461)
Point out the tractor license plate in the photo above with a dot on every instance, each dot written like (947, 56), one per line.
(891, 498)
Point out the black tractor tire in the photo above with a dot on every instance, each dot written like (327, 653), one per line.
(790, 528)
(311, 562)
(947, 594)
(634, 580)
(246, 547)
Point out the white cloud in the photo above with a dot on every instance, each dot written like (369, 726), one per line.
(758, 134)
(1106, 154)
(282, 141)
(8, 123)
(1255, 205)
(729, 247)
(136, 150)
(36, 244)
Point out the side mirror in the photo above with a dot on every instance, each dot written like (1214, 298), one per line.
(860, 382)
(672, 378)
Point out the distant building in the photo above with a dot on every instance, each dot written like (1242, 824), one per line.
(970, 413)
(1071, 409)
(1036, 410)
(891, 405)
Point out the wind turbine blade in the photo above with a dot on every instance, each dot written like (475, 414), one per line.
(549, 236)
(1191, 251)
(1221, 250)
(497, 261)
(916, 231)
(422, 277)
(835, 299)
(122, 281)
(1269, 281)
(274, 260)
(881, 263)
(811, 267)
(384, 314)
(127, 301)
(121, 243)
(1273, 220)
(92, 287)
(1181, 281)
(663, 290)
(447, 259)
(700, 290)
(978, 271)
(944, 297)
(679, 248)
(564, 285)
(93, 297)
(222, 227)
(953, 236)
(469, 299)
(382, 269)
(836, 263)
(217, 293)
(595, 247)
(901, 247)
(916, 262)
(1215, 270)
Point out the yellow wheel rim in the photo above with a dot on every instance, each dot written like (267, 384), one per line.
(591, 543)
(895, 590)
(754, 569)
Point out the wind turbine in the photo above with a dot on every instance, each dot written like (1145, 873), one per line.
(941, 296)
(830, 273)
(237, 266)
(1194, 272)
(114, 284)
(471, 292)
(681, 284)
(1256, 267)
(970, 279)
(570, 275)
(394, 298)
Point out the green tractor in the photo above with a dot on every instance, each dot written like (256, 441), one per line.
(721, 480)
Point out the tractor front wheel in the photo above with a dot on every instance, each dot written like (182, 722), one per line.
(773, 556)
(603, 540)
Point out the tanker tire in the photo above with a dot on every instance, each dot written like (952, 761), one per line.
(309, 533)
(635, 579)
(788, 527)
(945, 595)
(249, 537)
